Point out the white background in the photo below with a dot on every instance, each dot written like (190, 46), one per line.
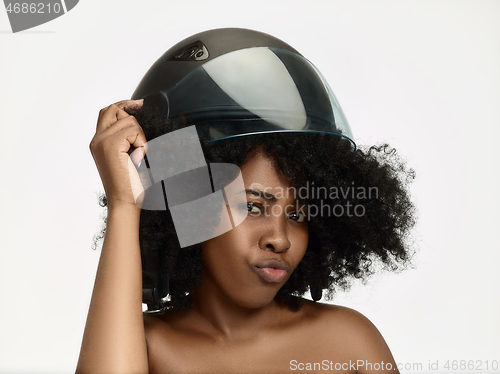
(421, 75)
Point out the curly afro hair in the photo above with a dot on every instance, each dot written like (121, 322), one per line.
(364, 192)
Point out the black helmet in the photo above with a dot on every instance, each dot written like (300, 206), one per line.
(233, 82)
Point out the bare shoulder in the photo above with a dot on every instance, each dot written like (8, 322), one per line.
(340, 318)
(353, 336)
(156, 327)
(162, 340)
(317, 333)
(153, 327)
(151, 322)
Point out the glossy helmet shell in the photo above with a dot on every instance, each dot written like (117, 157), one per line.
(235, 82)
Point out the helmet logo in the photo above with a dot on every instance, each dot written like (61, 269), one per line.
(194, 52)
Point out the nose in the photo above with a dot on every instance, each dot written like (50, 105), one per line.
(274, 237)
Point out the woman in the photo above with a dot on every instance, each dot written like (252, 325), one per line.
(319, 212)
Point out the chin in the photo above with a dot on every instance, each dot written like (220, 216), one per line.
(255, 299)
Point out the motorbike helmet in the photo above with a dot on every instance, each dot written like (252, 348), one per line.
(234, 82)
(228, 83)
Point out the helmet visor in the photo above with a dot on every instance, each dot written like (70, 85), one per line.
(256, 90)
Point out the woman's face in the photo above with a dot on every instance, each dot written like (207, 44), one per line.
(250, 263)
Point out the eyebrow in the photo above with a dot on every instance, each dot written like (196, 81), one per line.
(264, 195)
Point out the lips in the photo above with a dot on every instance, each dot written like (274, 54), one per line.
(272, 271)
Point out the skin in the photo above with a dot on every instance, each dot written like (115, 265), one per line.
(235, 325)
(114, 342)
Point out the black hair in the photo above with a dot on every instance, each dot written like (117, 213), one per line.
(370, 214)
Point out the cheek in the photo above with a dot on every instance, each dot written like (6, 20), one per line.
(227, 266)
(225, 256)
(300, 240)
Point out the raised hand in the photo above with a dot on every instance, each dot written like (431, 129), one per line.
(117, 135)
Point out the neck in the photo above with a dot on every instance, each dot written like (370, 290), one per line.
(224, 318)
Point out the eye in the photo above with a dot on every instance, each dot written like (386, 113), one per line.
(253, 209)
(297, 216)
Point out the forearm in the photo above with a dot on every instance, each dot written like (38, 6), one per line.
(114, 339)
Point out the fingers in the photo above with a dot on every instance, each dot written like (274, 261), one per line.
(138, 145)
(125, 104)
(124, 135)
(114, 120)
(111, 114)
(118, 125)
